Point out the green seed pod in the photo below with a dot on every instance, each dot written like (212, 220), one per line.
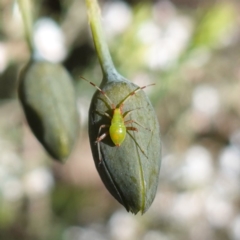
(49, 103)
(130, 167)
(131, 171)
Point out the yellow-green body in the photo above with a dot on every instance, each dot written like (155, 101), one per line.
(117, 129)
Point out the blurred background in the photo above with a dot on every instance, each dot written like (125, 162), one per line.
(191, 50)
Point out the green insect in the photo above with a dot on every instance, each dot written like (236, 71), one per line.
(118, 127)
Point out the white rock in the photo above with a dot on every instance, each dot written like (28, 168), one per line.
(38, 182)
(12, 189)
(219, 211)
(205, 99)
(235, 228)
(167, 47)
(235, 138)
(198, 167)
(154, 235)
(3, 57)
(79, 233)
(117, 16)
(49, 41)
(187, 207)
(230, 161)
(149, 32)
(123, 225)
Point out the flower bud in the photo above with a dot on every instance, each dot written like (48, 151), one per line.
(131, 171)
(49, 103)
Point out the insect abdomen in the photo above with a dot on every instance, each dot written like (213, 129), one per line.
(117, 133)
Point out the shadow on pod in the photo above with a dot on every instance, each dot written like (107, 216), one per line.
(49, 103)
(131, 171)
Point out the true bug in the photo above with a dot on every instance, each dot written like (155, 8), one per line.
(117, 128)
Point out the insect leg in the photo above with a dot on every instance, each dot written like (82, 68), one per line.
(99, 153)
(127, 112)
(133, 93)
(103, 114)
(132, 121)
(98, 146)
(101, 91)
(100, 138)
(132, 129)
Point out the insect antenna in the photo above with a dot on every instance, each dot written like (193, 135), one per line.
(101, 91)
(133, 93)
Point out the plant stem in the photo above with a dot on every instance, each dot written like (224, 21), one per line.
(26, 12)
(104, 57)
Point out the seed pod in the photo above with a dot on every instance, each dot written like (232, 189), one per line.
(130, 172)
(49, 103)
